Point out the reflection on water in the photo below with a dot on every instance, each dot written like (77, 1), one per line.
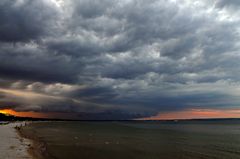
(140, 140)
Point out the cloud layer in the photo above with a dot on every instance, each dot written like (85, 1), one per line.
(130, 58)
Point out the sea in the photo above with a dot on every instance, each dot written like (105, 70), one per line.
(215, 139)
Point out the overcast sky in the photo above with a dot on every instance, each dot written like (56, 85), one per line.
(119, 58)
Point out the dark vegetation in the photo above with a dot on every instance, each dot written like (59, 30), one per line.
(8, 117)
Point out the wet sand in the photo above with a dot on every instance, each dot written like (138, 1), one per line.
(12, 145)
(38, 148)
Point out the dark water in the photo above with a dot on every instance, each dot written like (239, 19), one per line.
(139, 140)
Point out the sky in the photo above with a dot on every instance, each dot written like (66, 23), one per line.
(120, 59)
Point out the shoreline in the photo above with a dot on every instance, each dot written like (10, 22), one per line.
(38, 149)
(13, 146)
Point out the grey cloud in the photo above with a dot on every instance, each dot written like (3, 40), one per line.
(30, 62)
(25, 20)
(75, 47)
(227, 3)
(91, 9)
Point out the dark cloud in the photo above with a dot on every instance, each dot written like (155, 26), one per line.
(91, 9)
(30, 62)
(97, 94)
(25, 20)
(113, 115)
(122, 58)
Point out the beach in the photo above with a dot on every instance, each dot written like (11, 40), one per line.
(12, 145)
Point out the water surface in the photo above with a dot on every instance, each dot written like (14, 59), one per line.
(140, 140)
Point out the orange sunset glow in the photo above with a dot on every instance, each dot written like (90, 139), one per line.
(23, 114)
(49, 115)
(7, 111)
(196, 114)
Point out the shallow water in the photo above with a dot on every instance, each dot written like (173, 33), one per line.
(139, 140)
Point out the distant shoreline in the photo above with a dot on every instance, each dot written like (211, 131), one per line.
(11, 118)
(4, 122)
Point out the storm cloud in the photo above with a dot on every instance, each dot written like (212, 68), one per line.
(131, 58)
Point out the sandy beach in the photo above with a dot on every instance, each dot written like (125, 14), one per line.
(12, 145)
